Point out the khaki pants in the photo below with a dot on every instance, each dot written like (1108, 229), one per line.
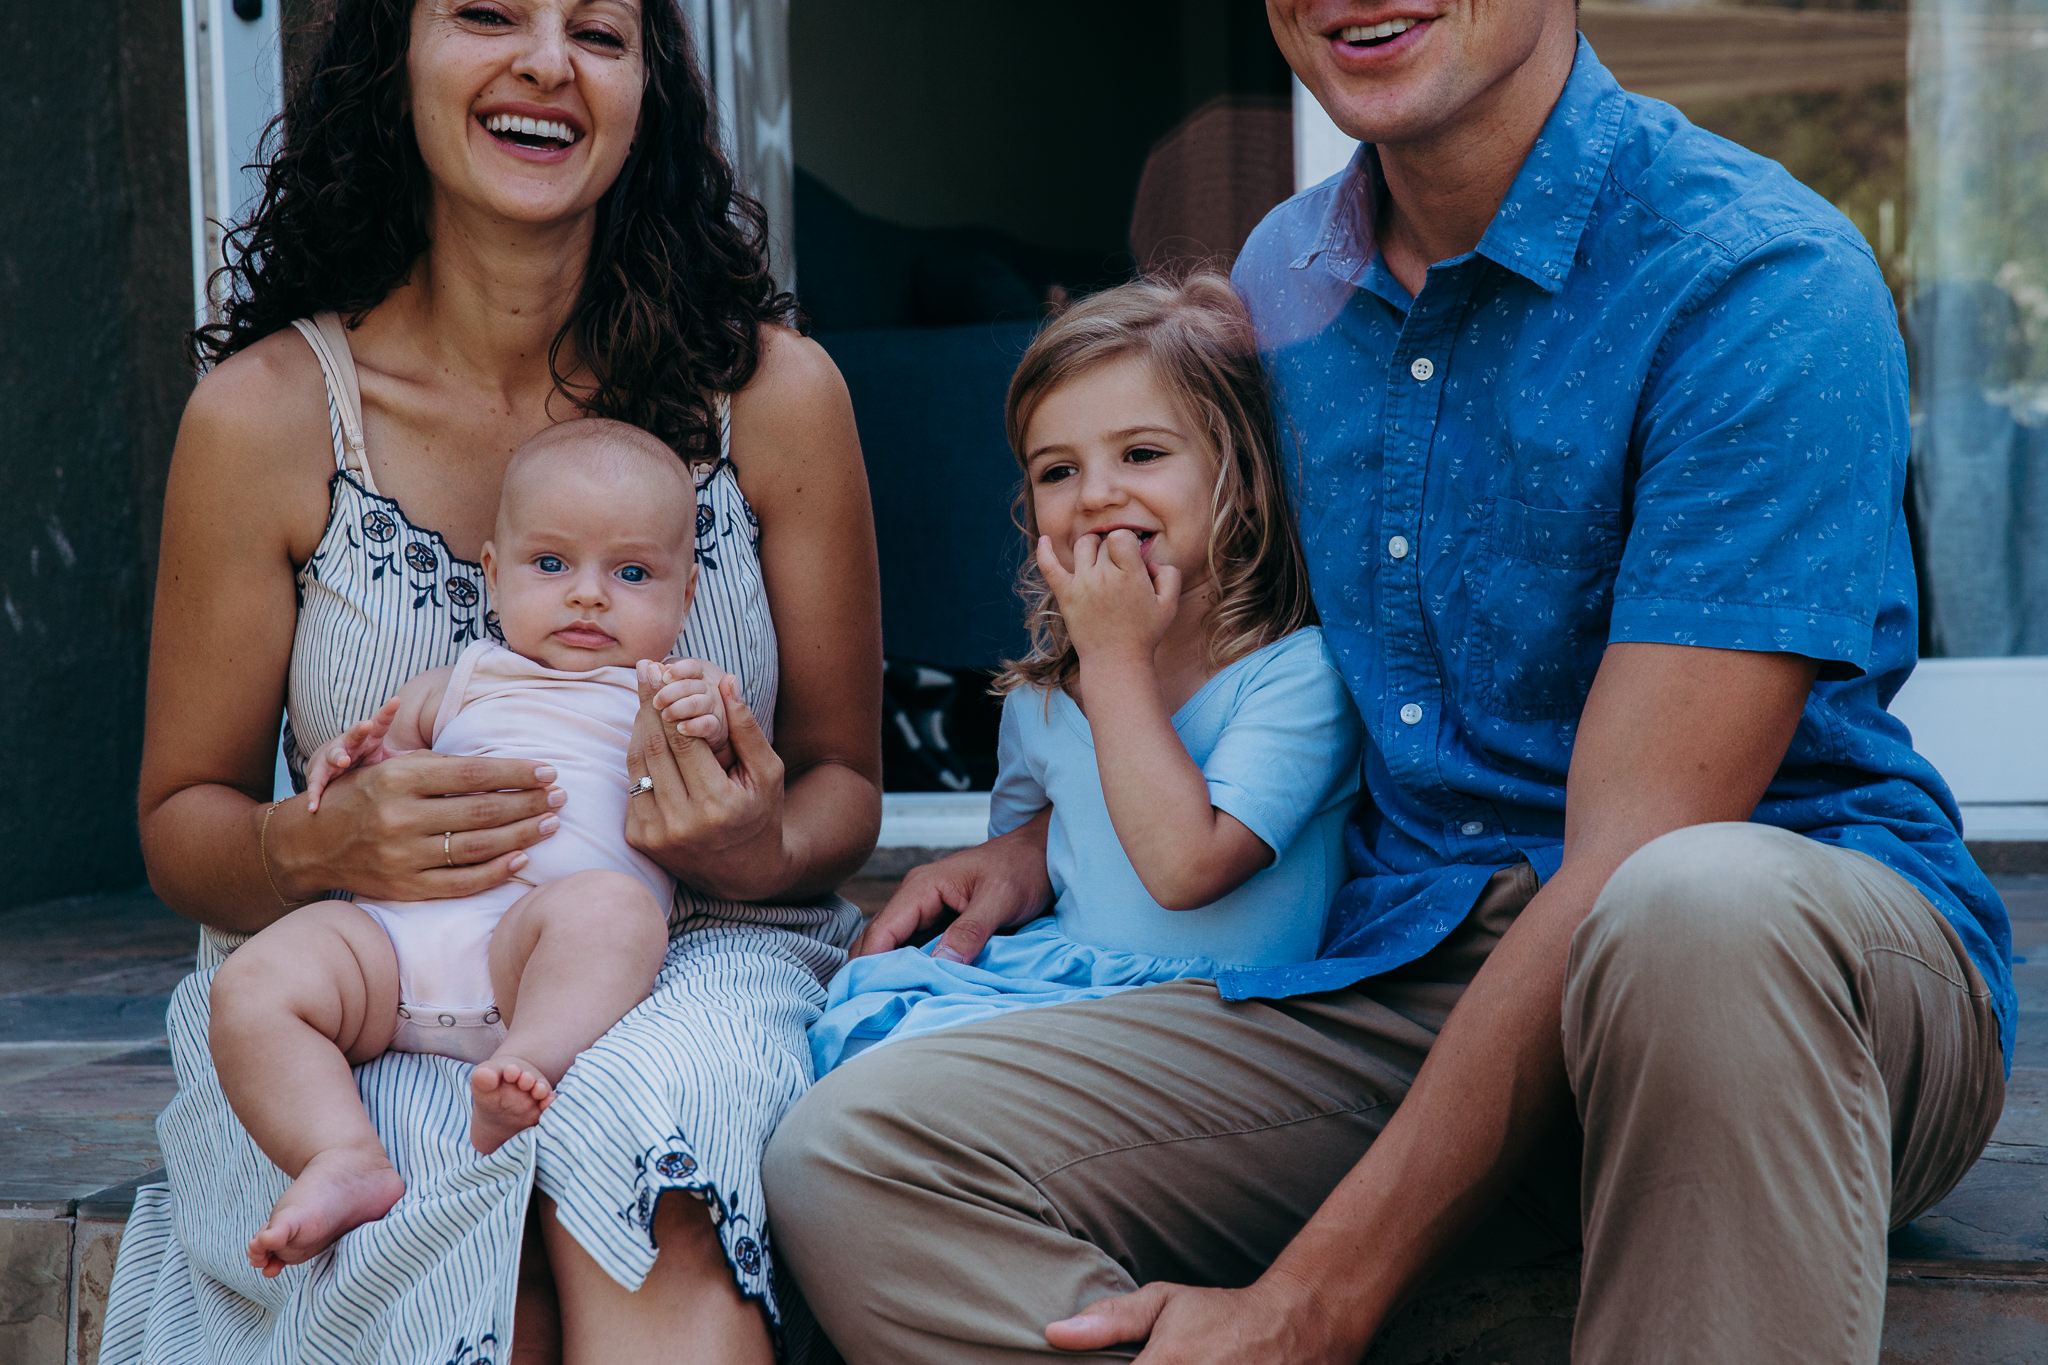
(1778, 1048)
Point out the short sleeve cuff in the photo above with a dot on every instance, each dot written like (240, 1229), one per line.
(1248, 811)
(1842, 644)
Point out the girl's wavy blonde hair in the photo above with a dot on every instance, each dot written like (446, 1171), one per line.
(1198, 339)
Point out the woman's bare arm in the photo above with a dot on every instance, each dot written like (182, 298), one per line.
(246, 503)
(799, 819)
(798, 458)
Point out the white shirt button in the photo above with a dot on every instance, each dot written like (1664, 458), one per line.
(1398, 547)
(1411, 714)
(1472, 827)
(1422, 368)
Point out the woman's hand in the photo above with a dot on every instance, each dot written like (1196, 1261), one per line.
(984, 889)
(719, 831)
(420, 826)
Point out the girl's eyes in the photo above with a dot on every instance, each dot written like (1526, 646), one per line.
(632, 573)
(549, 563)
(1144, 454)
(1054, 473)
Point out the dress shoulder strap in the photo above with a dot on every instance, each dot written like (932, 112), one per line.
(328, 337)
(722, 406)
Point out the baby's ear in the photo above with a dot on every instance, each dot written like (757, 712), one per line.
(689, 588)
(489, 560)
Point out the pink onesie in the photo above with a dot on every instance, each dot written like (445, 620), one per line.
(503, 705)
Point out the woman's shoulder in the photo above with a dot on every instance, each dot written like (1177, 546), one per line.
(794, 415)
(261, 404)
(255, 438)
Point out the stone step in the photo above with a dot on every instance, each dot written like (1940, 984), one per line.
(81, 1080)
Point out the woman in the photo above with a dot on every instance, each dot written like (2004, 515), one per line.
(520, 210)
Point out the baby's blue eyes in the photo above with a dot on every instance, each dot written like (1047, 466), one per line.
(630, 573)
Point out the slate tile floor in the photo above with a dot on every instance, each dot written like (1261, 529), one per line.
(84, 1070)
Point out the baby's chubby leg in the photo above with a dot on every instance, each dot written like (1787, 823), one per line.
(293, 1008)
(568, 960)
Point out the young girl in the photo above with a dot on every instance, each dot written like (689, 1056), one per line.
(1178, 710)
(591, 570)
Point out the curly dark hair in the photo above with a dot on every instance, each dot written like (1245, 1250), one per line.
(677, 286)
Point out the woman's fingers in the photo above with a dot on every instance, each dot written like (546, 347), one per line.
(446, 883)
(458, 847)
(650, 753)
(750, 746)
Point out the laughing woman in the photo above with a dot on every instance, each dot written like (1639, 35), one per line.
(484, 217)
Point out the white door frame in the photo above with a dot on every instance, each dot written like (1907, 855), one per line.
(234, 85)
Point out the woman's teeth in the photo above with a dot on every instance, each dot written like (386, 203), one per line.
(537, 129)
(1374, 33)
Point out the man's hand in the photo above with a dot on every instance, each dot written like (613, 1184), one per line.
(984, 889)
(1271, 1322)
(360, 746)
(1113, 599)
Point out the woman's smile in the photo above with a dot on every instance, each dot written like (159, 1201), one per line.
(526, 108)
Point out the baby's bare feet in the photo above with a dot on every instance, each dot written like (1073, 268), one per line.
(339, 1189)
(506, 1096)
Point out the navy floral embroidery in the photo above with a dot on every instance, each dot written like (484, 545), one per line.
(746, 1253)
(484, 1351)
(753, 523)
(656, 1171)
(707, 537)
(464, 597)
(421, 559)
(379, 528)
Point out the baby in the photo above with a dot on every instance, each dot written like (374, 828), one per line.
(591, 568)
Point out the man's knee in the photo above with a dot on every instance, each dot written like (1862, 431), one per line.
(1708, 903)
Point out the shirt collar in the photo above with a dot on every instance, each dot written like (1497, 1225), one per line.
(1537, 229)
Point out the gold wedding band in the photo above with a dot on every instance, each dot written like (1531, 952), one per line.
(447, 848)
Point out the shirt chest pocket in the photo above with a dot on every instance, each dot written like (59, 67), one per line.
(1544, 599)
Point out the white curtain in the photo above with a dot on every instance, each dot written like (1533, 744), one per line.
(1978, 321)
(744, 46)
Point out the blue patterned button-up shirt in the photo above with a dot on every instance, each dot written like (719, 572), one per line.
(1663, 400)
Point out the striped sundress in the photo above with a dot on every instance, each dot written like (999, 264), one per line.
(682, 1094)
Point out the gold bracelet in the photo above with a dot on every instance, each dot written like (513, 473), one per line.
(263, 853)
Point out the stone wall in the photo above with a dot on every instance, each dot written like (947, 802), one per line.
(95, 288)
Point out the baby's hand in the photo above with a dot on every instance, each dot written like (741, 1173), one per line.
(689, 700)
(361, 745)
(1113, 599)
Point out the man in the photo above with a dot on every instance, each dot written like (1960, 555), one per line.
(1603, 435)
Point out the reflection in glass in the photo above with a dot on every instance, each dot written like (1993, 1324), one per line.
(1978, 321)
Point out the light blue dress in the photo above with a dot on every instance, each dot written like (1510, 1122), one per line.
(1275, 735)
